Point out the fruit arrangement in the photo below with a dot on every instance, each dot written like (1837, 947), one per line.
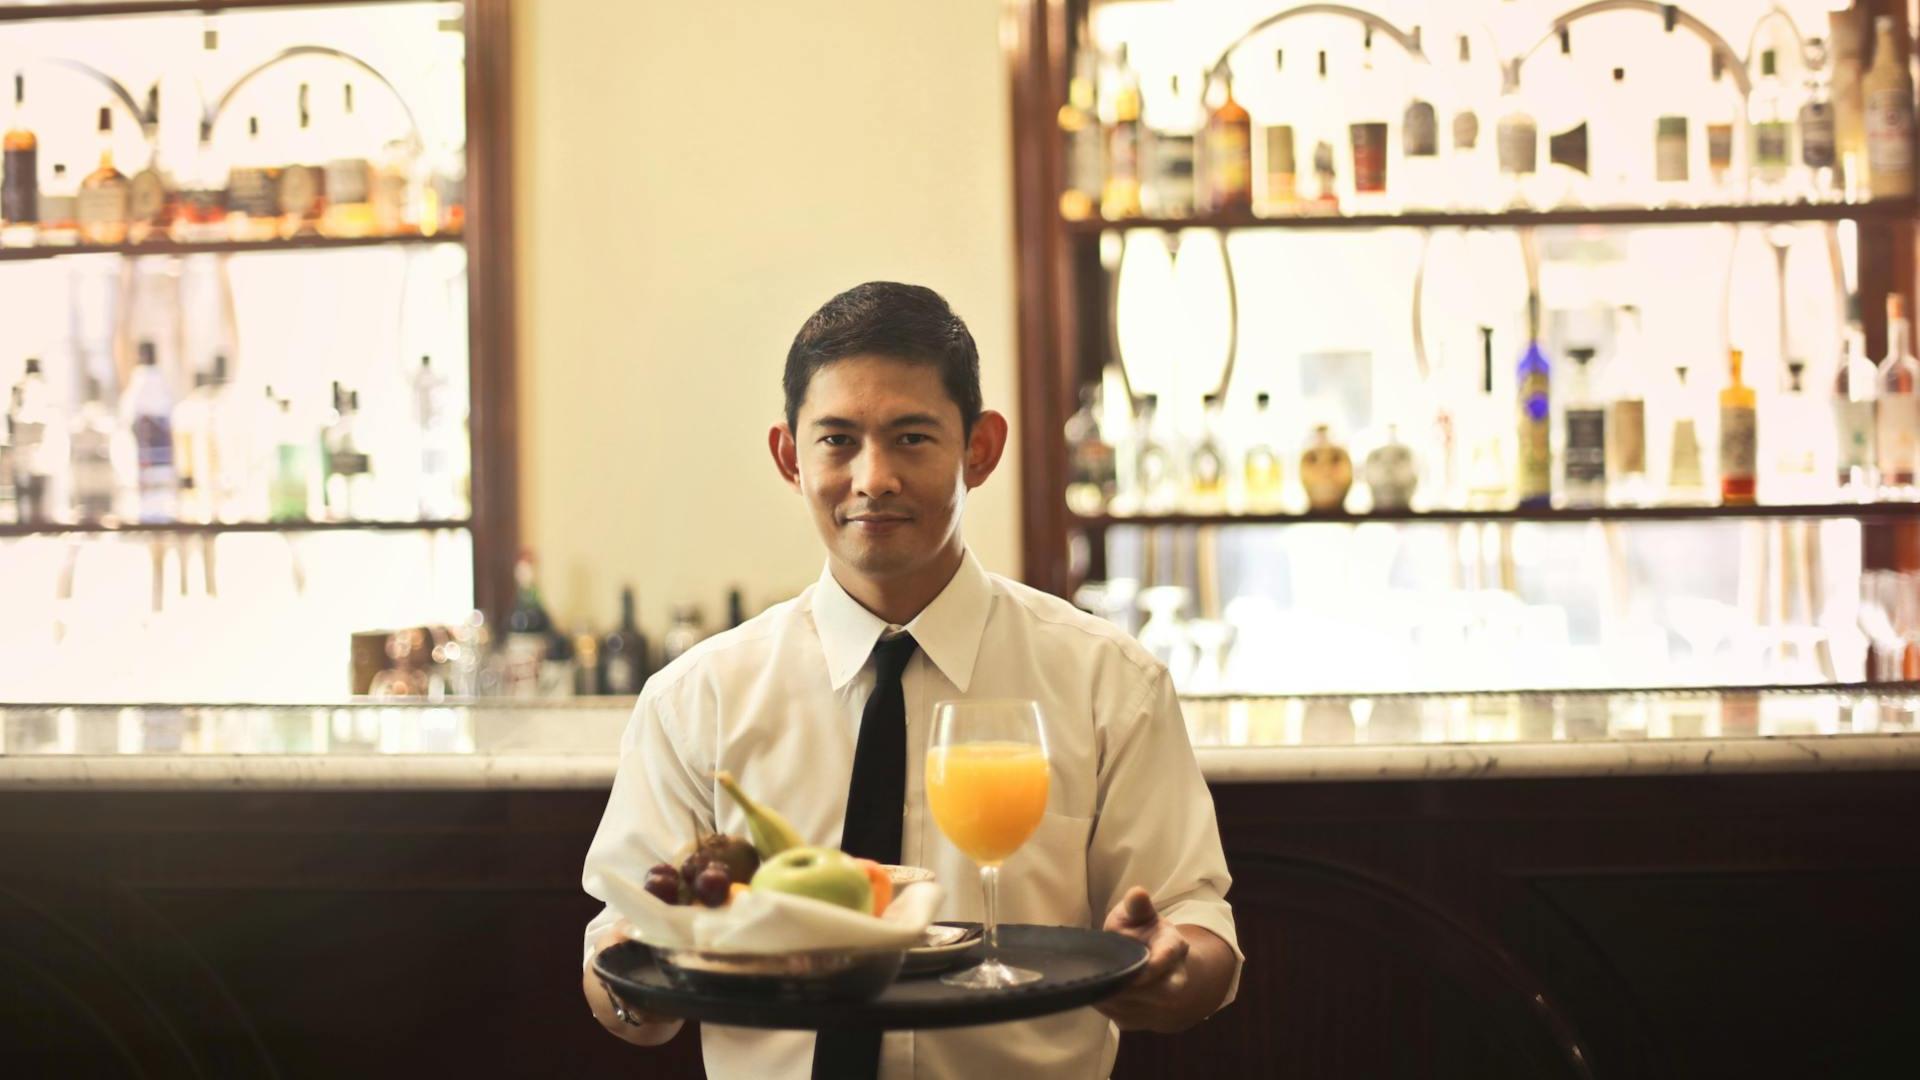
(716, 868)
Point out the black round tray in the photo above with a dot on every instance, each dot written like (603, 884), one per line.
(1079, 967)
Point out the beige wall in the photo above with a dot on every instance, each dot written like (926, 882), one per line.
(693, 180)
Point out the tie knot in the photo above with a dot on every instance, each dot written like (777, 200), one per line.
(890, 658)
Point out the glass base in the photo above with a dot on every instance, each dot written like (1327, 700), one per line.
(990, 975)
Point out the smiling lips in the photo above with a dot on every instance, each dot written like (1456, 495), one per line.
(878, 522)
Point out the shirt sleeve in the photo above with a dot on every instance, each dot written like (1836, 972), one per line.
(660, 795)
(1155, 826)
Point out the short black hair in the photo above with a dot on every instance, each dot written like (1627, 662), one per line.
(886, 318)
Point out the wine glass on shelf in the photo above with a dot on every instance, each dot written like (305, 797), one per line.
(987, 779)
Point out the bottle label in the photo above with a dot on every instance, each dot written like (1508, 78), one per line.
(1419, 130)
(105, 204)
(1737, 443)
(622, 676)
(1889, 131)
(347, 181)
(1369, 157)
(1670, 149)
(300, 188)
(1629, 429)
(1172, 187)
(1466, 130)
(254, 192)
(1898, 420)
(1123, 150)
(1569, 148)
(1586, 446)
(147, 198)
(20, 186)
(1084, 164)
(1519, 142)
(1770, 145)
(1817, 134)
(1230, 163)
(1720, 147)
(1536, 451)
(347, 463)
(1853, 427)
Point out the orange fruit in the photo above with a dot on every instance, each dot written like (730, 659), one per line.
(882, 884)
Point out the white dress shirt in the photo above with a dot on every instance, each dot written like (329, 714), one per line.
(777, 701)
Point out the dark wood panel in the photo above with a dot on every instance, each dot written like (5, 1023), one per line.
(1882, 210)
(194, 528)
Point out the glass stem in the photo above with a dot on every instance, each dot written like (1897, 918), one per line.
(990, 921)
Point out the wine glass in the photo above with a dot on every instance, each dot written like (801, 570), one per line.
(987, 787)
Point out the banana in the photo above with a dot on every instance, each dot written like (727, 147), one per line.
(770, 831)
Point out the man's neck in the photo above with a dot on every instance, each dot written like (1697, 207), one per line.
(900, 600)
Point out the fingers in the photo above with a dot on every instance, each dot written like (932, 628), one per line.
(1133, 912)
(1166, 955)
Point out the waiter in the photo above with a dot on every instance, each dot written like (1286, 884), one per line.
(822, 706)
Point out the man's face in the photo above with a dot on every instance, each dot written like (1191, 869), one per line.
(878, 452)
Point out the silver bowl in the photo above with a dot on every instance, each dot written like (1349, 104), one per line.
(827, 975)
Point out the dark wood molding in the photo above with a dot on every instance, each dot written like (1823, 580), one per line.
(1863, 511)
(1759, 213)
(492, 324)
(216, 528)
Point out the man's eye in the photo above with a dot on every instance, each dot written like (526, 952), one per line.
(913, 439)
(838, 440)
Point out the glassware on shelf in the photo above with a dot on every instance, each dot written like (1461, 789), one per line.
(1326, 471)
(436, 428)
(1264, 477)
(1212, 642)
(1880, 599)
(1091, 478)
(1739, 437)
(1391, 473)
(1856, 386)
(1897, 411)
(1164, 634)
(1207, 466)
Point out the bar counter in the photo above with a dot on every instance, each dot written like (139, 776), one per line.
(1646, 884)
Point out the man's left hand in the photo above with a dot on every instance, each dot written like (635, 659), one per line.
(1162, 997)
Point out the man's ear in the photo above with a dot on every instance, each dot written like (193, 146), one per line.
(786, 456)
(985, 444)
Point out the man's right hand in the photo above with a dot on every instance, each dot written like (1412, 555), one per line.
(651, 1031)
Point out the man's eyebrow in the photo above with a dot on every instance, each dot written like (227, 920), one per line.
(909, 420)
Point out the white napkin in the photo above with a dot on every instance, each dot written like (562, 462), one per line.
(761, 921)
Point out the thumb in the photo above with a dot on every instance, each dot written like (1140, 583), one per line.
(1137, 907)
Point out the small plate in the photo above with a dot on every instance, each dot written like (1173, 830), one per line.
(950, 944)
(903, 876)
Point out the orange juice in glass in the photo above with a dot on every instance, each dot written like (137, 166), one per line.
(987, 788)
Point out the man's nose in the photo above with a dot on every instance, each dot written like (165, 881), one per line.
(874, 476)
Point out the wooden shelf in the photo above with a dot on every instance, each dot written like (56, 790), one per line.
(188, 528)
(223, 247)
(16, 12)
(1883, 511)
(1881, 210)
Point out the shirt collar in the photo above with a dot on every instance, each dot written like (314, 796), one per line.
(948, 630)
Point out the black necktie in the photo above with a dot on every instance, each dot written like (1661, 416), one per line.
(876, 804)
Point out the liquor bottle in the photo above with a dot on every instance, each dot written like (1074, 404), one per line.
(192, 431)
(9, 498)
(686, 631)
(1723, 115)
(1622, 163)
(59, 198)
(91, 441)
(1207, 466)
(19, 170)
(1081, 137)
(1472, 168)
(1686, 477)
(1279, 191)
(1568, 179)
(1367, 135)
(1120, 196)
(1422, 185)
(1489, 480)
(1846, 32)
(1793, 429)
(203, 185)
(344, 457)
(1153, 468)
(1326, 472)
(102, 207)
(434, 421)
(1819, 139)
(1229, 153)
(1897, 413)
(1585, 452)
(1627, 419)
(1856, 385)
(1534, 376)
(348, 178)
(1326, 195)
(1670, 159)
(736, 608)
(1887, 93)
(225, 452)
(36, 431)
(290, 486)
(530, 633)
(1518, 138)
(1739, 442)
(1770, 124)
(1263, 475)
(150, 192)
(624, 665)
(146, 411)
(1391, 473)
(1171, 133)
(303, 182)
(253, 191)
(1092, 480)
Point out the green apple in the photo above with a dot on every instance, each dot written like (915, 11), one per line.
(820, 873)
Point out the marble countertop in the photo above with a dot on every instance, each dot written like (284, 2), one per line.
(532, 745)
